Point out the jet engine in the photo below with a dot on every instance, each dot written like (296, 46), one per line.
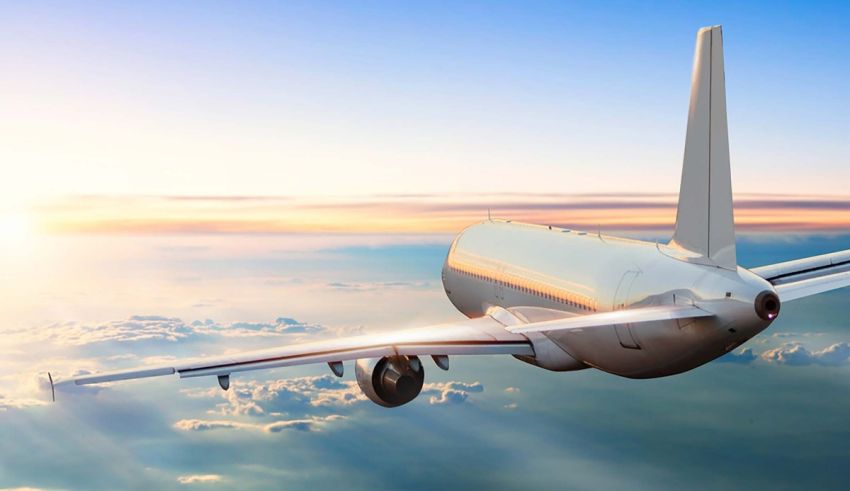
(390, 381)
(767, 305)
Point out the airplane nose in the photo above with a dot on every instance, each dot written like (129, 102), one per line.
(767, 305)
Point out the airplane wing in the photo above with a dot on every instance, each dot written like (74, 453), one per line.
(497, 333)
(809, 276)
(484, 335)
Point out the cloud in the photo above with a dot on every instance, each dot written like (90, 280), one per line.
(24, 390)
(299, 424)
(796, 334)
(449, 397)
(795, 354)
(294, 395)
(7, 403)
(199, 479)
(207, 424)
(381, 285)
(744, 357)
(466, 387)
(836, 354)
(139, 328)
(278, 426)
(307, 396)
(292, 326)
(136, 328)
(281, 325)
(450, 393)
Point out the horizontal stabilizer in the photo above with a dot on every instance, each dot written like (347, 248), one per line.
(806, 268)
(808, 276)
(812, 286)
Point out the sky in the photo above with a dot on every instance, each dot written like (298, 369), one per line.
(343, 99)
(194, 178)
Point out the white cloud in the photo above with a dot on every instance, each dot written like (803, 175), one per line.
(744, 356)
(199, 479)
(386, 285)
(450, 393)
(787, 334)
(83, 348)
(293, 395)
(140, 328)
(306, 396)
(207, 424)
(309, 424)
(24, 390)
(278, 426)
(292, 402)
(795, 354)
(7, 403)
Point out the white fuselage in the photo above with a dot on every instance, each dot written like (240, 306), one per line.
(542, 273)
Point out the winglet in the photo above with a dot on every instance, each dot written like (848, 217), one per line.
(704, 220)
(52, 387)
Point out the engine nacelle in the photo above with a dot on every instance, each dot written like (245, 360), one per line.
(390, 381)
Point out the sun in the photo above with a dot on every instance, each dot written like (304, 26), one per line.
(14, 227)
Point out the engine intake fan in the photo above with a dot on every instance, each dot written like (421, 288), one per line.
(390, 381)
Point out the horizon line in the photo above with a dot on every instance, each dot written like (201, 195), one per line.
(417, 213)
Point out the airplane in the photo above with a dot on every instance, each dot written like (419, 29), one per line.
(566, 300)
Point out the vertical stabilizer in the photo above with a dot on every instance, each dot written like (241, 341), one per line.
(704, 221)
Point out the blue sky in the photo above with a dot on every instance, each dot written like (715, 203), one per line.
(317, 99)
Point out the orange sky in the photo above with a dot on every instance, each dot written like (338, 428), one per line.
(416, 213)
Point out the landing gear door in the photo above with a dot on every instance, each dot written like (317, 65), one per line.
(621, 299)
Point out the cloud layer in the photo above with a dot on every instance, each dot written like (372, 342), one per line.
(199, 479)
(277, 426)
(269, 409)
(795, 354)
(140, 328)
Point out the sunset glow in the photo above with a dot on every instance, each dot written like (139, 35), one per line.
(418, 214)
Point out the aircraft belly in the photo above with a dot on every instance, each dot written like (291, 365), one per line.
(665, 347)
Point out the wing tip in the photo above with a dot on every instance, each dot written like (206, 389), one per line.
(52, 387)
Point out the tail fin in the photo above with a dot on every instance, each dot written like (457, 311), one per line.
(704, 221)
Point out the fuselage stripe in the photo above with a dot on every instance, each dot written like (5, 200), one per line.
(522, 284)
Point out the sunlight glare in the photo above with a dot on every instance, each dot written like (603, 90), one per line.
(14, 227)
